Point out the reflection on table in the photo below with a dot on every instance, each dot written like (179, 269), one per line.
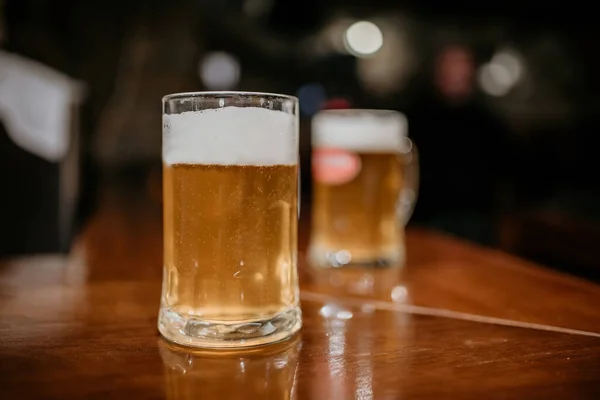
(261, 373)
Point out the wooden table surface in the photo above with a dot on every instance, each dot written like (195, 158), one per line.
(460, 322)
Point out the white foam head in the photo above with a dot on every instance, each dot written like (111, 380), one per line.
(231, 136)
(370, 131)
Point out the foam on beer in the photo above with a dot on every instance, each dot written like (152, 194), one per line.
(366, 131)
(230, 136)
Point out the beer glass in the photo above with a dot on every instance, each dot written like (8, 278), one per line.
(230, 198)
(365, 184)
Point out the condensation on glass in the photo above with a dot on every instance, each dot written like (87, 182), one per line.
(230, 198)
(365, 184)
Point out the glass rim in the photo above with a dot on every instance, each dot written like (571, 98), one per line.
(226, 93)
(357, 111)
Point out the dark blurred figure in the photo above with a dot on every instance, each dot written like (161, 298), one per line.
(464, 153)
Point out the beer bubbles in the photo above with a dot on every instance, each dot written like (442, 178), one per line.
(363, 38)
(219, 71)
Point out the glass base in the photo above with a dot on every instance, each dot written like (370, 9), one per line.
(320, 257)
(190, 330)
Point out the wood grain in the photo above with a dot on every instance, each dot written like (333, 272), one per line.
(84, 326)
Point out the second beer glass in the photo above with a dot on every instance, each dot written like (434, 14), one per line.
(365, 184)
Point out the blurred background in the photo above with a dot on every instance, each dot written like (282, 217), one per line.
(501, 100)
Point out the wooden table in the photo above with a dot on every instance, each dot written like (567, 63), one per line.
(460, 322)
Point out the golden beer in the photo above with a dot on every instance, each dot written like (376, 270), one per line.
(230, 215)
(359, 177)
(360, 217)
(230, 240)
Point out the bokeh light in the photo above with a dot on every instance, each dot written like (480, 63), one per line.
(312, 96)
(501, 74)
(387, 71)
(337, 103)
(363, 38)
(219, 71)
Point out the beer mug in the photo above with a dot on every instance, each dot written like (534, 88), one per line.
(230, 190)
(365, 178)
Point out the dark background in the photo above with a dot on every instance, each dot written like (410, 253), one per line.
(507, 165)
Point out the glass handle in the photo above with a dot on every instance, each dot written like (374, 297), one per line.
(410, 190)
